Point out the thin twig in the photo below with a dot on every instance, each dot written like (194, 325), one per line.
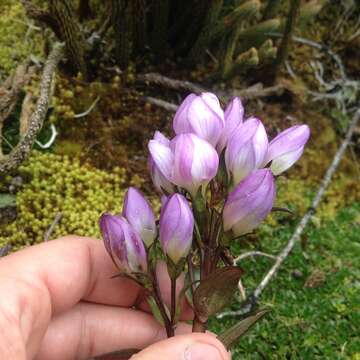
(167, 82)
(48, 233)
(160, 103)
(242, 290)
(88, 111)
(251, 254)
(253, 92)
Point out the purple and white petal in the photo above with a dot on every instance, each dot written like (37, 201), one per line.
(234, 117)
(140, 215)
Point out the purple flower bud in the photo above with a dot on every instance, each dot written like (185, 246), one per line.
(246, 149)
(249, 203)
(201, 115)
(140, 215)
(160, 163)
(234, 116)
(176, 228)
(287, 148)
(195, 162)
(123, 244)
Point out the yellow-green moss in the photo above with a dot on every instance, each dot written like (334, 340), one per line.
(60, 184)
(18, 36)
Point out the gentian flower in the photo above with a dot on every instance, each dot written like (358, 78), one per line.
(201, 115)
(176, 228)
(287, 148)
(234, 116)
(140, 215)
(188, 161)
(250, 202)
(246, 149)
(160, 175)
(123, 244)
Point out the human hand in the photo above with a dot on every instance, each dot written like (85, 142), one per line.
(58, 301)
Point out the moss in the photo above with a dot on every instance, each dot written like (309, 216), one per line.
(18, 37)
(60, 184)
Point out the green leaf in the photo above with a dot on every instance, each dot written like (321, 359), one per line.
(216, 291)
(7, 200)
(230, 336)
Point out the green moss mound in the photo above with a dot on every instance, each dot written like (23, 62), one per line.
(59, 184)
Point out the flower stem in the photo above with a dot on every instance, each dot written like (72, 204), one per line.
(173, 303)
(160, 305)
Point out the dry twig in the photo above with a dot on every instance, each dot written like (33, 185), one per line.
(48, 233)
(22, 149)
(161, 103)
(169, 83)
(251, 254)
(253, 92)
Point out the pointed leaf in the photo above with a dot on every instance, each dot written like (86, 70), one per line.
(155, 310)
(230, 336)
(216, 291)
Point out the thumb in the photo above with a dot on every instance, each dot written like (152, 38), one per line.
(194, 346)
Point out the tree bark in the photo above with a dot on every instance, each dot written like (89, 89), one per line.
(64, 14)
(123, 18)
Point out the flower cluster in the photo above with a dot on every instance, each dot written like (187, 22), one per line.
(217, 181)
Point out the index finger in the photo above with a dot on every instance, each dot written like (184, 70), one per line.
(70, 269)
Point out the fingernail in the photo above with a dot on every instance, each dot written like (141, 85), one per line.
(202, 351)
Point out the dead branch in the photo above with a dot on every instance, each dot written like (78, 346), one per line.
(49, 231)
(256, 91)
(302, 224)
(11, 89)
(252, 254)
(161, 103)
(22, 149)
(169, 83)
(253, 92)
(10, 92)
(26, 109)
